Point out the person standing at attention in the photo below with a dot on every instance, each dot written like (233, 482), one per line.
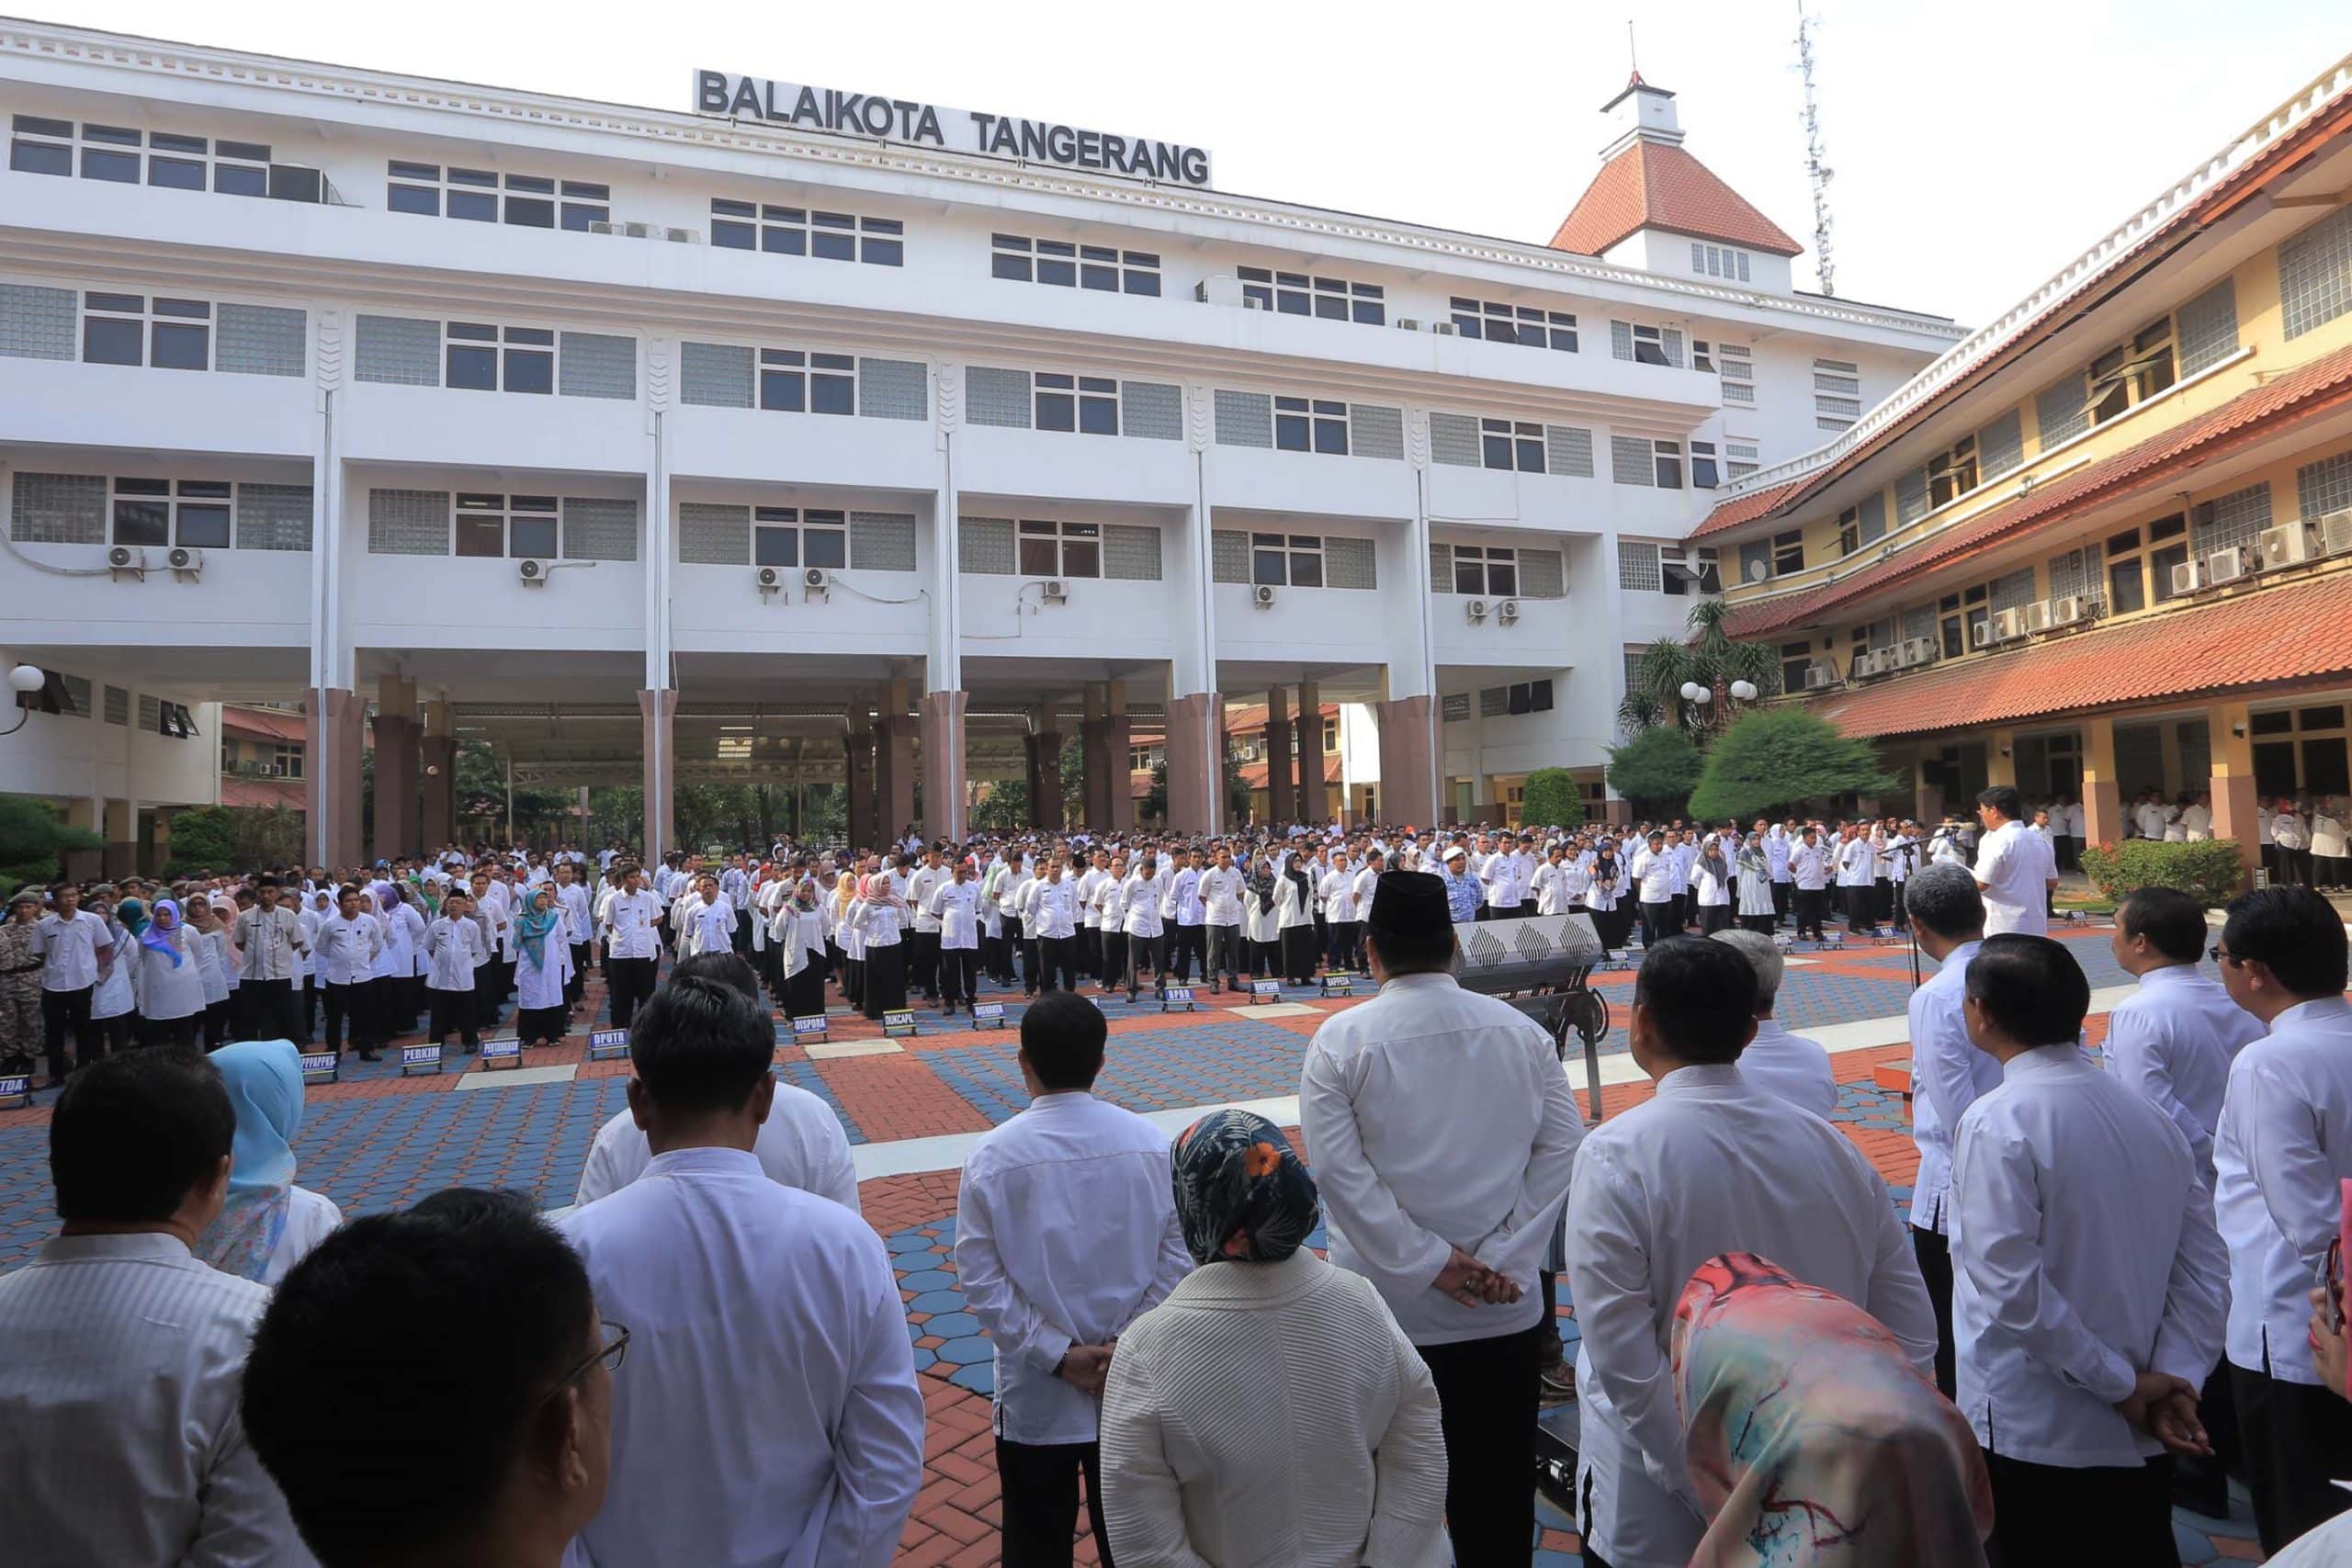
(1785, 1065)
(2280, 1152)
(2016, 869)
(1442, 1131)
(1947, 917)
(1708, 1165)
(789, 1433)
(2087, 1278)
(73, 945)
(1065, 1232)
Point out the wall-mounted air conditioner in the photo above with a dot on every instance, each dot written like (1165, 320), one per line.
(2069, 608)
(2188, 578)
(1221, 290)
(1820, 674)
(185, 561)
(2037, 616)
(126, 560)
(770, 579)
(816, 583)
(532, 570)
(2335, 531)
(1920, 650)
(1407, 324)
(1507, 612)
(1262, 595)
(2289, 544)
(1475, 609)
(1980, 634)
(2230, 565)
(2008, 624)
(1057, 591)
(1443, 329)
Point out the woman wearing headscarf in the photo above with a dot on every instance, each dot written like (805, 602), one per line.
(1294, 919)
(1756, 913)
(1262, 924)
(113, 1000)
(267, 1224)
(1269, 1413)
(879, 924)
(1810, 1438)
(168, 976)
(1601, 895)
(542, 965)
(797, 935)
(208, 937)
(843, 910)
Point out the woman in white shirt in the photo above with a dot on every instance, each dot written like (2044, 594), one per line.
(544, 965)
(267, 1224)
(169, 978)
(1269, 1411)
(112, 999)
(1295, 918)
(848, 907)
(208, 940)
(2330, 867)
(1260, 925)
(886, 965)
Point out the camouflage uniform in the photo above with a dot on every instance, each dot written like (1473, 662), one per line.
(21, 1029)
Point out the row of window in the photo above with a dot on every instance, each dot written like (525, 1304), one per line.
(491, 525)
(1304, 294)
(159, 331)
(69, 697)
(482, 196)
(1065, 263)
(211, 515)
(739, 225)
(123, 154)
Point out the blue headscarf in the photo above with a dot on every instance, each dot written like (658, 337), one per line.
(264, 1082)
(153, 934)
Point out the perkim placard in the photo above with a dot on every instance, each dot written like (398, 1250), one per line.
(805, 1030)
(501, 1054)
(15, 1091)
(321, 1066)
(988, 1015)
(1339, 983)
(607, 1044)
(419, 1059)
(899, 1021)
(1176, 996)
(1265, 991)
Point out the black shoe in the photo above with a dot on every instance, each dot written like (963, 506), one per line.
(369, 1056)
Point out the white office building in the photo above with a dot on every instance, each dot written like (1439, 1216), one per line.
(801, 433)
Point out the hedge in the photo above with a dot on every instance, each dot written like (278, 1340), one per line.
(1552, 800)
(2213, 869)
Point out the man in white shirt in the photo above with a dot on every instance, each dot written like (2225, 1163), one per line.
(1652, 873)
(956, 905)
(2015, 868)
(346, 947)
(923, 937)
(1220, 889)
(270, 937)
(1049, 914)
(1785, 1065)
(1857, 859)
(1439, 1127)
(2283, 1149)
(771, 1413)
(1342, 918)
(120, 1434)
(76, 947)
(1707, 1165)
(630, 919)
(1065, 1232)
(1187, 921)
(2087, 1277)
(1947, 917)
(1809, 870)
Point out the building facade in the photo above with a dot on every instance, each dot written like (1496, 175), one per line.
(750, 441)
(2104, 546)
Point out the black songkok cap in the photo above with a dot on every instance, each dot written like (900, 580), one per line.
(1410, 904)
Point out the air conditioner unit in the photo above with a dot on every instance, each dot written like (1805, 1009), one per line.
(2068, 608)
(1407, 324)
(635, 231)
(2335, 531)
(1820, 674)
(769, 577)
(1221, 290)
(1475, 609)
(2289, 544)
(2230, 565)
(2007, 625)
(187, 562)
(126, 558)
(2037, 616)
(1508, 611)
(1262, 595)
(1980, 634)
(1443, 329)
(815, 580)
(1866, 665)
(1251, 303)
(683, 236)
(1056, 591)
(2188, 577)
(532, 570)
(1920, 650)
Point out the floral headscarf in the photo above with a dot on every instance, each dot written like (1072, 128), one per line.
(264, 1082)
(1811, 1440)
(1235, 1171)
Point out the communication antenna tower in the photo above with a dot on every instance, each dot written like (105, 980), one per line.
(1817, 162)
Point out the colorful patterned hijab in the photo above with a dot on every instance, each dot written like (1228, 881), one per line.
(265, 1083)
(1811, 1440)
(152, 930)
(1235, 1171)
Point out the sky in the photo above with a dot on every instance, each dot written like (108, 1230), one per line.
(1976, 147)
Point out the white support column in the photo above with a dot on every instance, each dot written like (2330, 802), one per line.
(1194, 672)
(658, 700)
(332, 757)
(940, 711)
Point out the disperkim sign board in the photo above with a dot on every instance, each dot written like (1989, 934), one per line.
(913, 124)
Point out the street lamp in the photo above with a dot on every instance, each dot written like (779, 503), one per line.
(24, 680)
(1694, 692)
(1743, 691)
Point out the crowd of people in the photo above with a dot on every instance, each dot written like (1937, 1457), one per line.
(2117, 1282)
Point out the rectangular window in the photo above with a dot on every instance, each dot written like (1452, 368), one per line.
(1647, 347)
(1286, 560)
(1487, 571)
(38, 146)
(483, 195)
(1637, 567)
(1311, 424)
(796, 381)
(1670, 464)
(479, 357)
(167, 160)
(1837, 393)
(1739, 457)
(1303, 293)
(134, 329)
(514, 526)
(781, 230)
(784, 536)
(1719, 261)
(1087, 405)
(1060, 550)
(1951, 474)
(1704, 474)
(1788, 552)
(1738, 373)
(175, 722)
(192, 513)
(1106, 269)
(1529, 326)
(1511, 444)
(2131, 372)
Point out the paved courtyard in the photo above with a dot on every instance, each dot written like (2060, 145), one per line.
(910, 1105)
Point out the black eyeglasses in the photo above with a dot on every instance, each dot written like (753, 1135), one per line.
(612, 1355)
(2221, 954)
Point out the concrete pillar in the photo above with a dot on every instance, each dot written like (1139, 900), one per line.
(337, 724)
(1408, 761)
(1281, 795)
(894, 774)
(1312, 797)
(394, 829)
(660, 711)
(1195, 762)
(941, 717)
(2236, 808)
(2000, 759)
(861, 835)
(439, 749)
(1042, 750)
(2102, 798)
(120, 828)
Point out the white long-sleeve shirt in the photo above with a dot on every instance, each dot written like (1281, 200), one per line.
(801, 1145)
(1141, 916)
(1437, 1118)
(1706, 1166)
(1947, 1074)
(2172, 1041)
(771, 1413)
(955, 909)
(452, 948)
(119, 1427)
(1049, 909)
(346, 950)
(1274, 1413)
(1789, 1067)
(2083, 1252)
(2283, 1146)
(1065, 1232)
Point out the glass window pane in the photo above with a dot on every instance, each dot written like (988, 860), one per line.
(473, 206)
(1061, 274)
(40, 158)
(1269, 568)
(141, 523)
(471, 368)
(204, 526)
(1469, 576)
(882, 253)
(1531, 456)
(529, 371)
(1056, 411)
(1497, 451)
(1081, 558)
(578, 216)
(107, 341)
(730, 235)
(1290, 432)
(827, 548)
(480, 535)
(530, 211)
(181, 346)
(1331, 437)
(175, 174)
(1015, 270)
(539, 185)
(1102, 278)
(1144, 282)
(1502, 578)
(246, 179)
(1040, 558)
(783, 390)
(832, 394)
(532, 536)
(827, 246)
(425, 199)
(783, 241)
(775, 546)
(99, 163)
(1098, 416)
(1305, 570)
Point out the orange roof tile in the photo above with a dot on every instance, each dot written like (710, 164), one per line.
(262, 721)
(288, 793)
(2257, 639)
(1652, 185)
(2325, 383)
(1744, 509)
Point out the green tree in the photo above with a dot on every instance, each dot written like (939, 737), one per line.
(1772, 757)
(1551, 799)
(1154, 804)
(233, 839)
(34, 838)
(1656, 770)
(1708, 658)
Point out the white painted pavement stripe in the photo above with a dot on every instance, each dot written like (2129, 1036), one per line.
(507, 1078)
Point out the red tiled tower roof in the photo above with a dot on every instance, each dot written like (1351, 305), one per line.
(1652, 186)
